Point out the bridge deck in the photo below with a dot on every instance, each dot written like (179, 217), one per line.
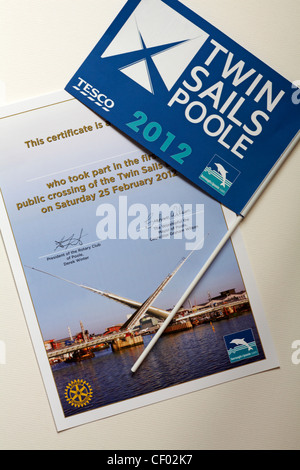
(113, 336)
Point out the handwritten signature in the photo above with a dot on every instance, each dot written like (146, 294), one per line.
(176, 213)
(65, 242)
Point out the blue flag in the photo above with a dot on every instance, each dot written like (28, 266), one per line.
(191, 96)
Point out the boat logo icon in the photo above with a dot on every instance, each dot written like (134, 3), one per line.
(241, 345)
(219, 175)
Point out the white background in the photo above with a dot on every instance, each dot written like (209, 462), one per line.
(41, 46)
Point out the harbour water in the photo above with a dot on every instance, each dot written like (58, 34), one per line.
(175, 359)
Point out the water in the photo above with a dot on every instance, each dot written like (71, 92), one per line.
(176, 358)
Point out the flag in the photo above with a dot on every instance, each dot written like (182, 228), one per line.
(192, 96)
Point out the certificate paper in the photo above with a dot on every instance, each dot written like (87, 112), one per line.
(102, 239)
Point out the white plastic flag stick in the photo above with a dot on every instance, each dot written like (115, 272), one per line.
(216, 251)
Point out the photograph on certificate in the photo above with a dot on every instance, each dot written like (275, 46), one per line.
(104, 238)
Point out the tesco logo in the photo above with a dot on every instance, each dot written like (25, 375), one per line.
(92, 94)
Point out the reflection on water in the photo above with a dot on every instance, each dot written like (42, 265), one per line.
(176, 358)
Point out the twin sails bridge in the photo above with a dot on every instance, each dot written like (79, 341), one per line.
(141, 309)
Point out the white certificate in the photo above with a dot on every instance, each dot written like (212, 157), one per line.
(103, 239)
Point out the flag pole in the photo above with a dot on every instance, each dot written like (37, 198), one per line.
(217, 250)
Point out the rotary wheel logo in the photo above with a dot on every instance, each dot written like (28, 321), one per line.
(78, 393)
